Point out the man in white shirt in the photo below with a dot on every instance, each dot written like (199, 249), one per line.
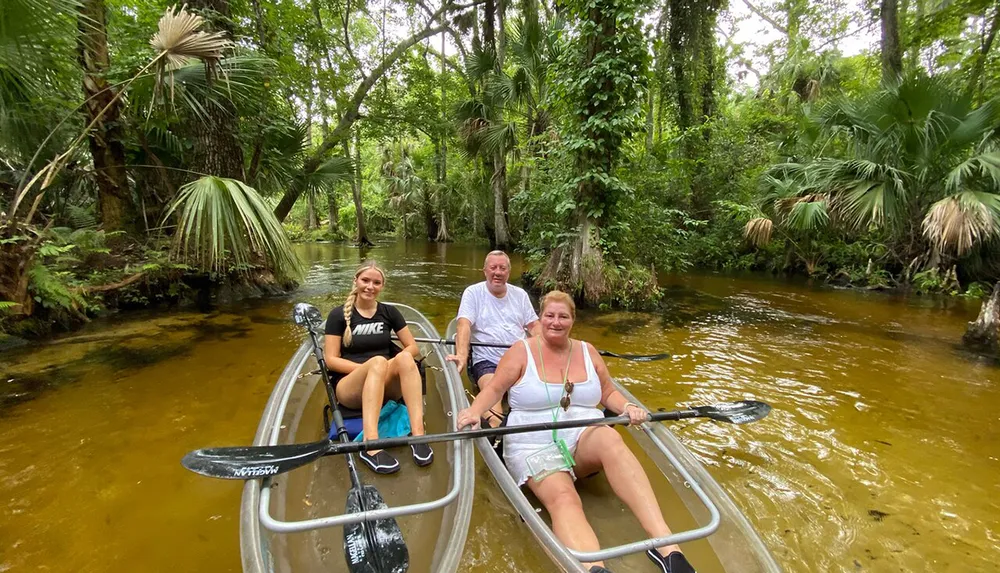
(493, 312)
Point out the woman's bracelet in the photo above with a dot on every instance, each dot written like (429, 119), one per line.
(625, 407)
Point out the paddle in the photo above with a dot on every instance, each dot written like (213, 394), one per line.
(249, 461)
(632, 357)
(374, 546)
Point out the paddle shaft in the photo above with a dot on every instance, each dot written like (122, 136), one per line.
(252, 462)
(383, 443)
(635, 357)
(364, 547)
(338, 418)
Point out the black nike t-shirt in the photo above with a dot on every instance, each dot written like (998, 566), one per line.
(369, 336)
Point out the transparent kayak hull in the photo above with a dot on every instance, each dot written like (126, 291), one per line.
(294, 522)
(713, 532)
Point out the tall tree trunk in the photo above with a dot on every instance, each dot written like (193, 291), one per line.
(217, 149)
(892, 55)
(501, 32)
(333, 212)
(356, 189)
(984, 52)
(489, 26)
(707, 45)
(311, 220)
(430, 223)
(441, 227)
(114, 198)
(680, 30)
(662, 70)
(650, 103)
(498, 182)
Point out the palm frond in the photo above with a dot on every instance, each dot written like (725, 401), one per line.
(33, 36)
(225, 225)
(499, 137)
(480, 64)
(241, 82)
(180, 39)
(986, 165)
(808, 213)
(500, 91)
(961, 221)
(758, 231)
(331, 172)
(866, 203)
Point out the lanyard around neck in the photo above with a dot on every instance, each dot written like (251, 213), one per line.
(545, 384)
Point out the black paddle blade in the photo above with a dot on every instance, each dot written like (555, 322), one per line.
(253, 462)
(635, 357)
(735, 412)
(373, 546)
(305, 314)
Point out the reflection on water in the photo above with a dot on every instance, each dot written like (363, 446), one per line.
(880, 453)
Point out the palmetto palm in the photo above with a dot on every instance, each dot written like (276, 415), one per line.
(225, 225)
(177, 41)
(37, 77)
(914, 160)
(402, 181)
(512, 105)
(510, 99)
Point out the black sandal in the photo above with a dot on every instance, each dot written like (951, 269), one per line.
(380, 463)
(673, 563)
(423, 455)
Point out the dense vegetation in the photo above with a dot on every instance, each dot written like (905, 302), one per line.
(148, 152)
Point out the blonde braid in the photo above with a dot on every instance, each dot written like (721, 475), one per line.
(348, 308)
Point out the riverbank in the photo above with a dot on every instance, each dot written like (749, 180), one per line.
(81, 275)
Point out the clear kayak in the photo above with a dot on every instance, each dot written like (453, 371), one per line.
(714, 534)
(294, 522)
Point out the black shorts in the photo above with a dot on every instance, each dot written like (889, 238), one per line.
(480, 369)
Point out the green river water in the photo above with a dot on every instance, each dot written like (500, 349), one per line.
(881, 453)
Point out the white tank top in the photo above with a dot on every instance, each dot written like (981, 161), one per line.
(532, 400)
(533, 393)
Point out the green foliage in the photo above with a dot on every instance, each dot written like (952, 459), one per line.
(225, 225)
(977, 290)
(50, 289)
(635, 287)
(904, 157)
(934, 281)
(603, 80)
(297, 233)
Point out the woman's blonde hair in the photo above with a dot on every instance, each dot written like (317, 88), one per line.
(558, 296)
(349, 303)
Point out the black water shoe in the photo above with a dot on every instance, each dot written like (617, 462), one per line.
(423, 455)
(673, 563)
(380, 463)
(599, 569)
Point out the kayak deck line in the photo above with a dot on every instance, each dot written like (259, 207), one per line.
(702, 496)
(256, 507)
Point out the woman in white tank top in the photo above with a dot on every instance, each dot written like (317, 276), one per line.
(552, 377)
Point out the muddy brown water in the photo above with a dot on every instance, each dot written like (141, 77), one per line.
(881, 453)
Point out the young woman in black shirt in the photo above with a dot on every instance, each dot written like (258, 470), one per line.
(367, 367)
